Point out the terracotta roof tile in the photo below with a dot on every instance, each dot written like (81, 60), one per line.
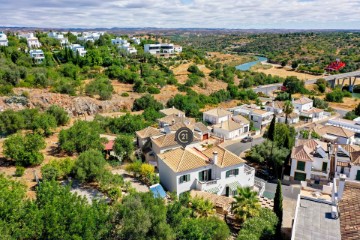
(229, 125)
(276, 104)
(239, 118)
(302, 153)
(174, 118)
(225, 157)
(170, 111)
(148, 132)
(333, 130)
(219, 112)
(201, 127)
(349, 207)
(303, 100)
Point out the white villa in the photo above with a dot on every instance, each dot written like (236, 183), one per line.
(214, 170)
(32, 41)
(136, 40)
(161, 48)
(334, 134)
(172, 110)
(352, 125)
(59, 36)
(232, 128)
(305, 108)
(37, 55)
(124, 44)
(3, 39)
(77, 48)
(90, 36)
(216, 116)
(261, 118)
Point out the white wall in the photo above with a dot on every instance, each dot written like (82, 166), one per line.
(167, 177)
(214, 119)
(353, 171)
(307, 169)
(303, 107)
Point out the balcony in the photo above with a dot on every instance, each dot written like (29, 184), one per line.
(205, 185)
(319, 172)
(248, 170)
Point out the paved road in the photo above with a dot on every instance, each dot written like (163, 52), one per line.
(340, 111)
(239, 147)
(272, 87)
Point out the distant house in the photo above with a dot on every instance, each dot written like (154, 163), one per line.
(260, 118)
(33, 42)
(161, 48)
(167, 142)
(352, 125)
(304, 107)
(90, 36)
(334, 134)
(230, 129)
(275, 107)
(124, 44)
(63, 40)
(347, 161)
(216, 115)
(202, 130)
(177, 48)
(3, 39)
(136, 40)
(143, 136)
(77, 49)
(173, 119)
(172, 110)
(37, 55)
(291, 119)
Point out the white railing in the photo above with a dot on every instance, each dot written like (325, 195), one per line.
(248, 170)
(260, 184)
(204, 185)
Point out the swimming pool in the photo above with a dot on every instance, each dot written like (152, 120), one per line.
(248, 65)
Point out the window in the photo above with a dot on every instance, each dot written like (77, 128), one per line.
(184, 178)
(232, 172)
(300, 166)
(358, 175)
(205, 175)
(300, 176)
(324, 166)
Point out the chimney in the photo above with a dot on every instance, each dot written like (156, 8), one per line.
(215, 157)
(341, 188)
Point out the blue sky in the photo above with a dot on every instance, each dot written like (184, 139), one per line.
(241, 14)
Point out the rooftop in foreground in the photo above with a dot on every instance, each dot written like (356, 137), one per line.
(314, 222)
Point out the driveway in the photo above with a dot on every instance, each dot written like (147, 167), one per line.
(240, 147)
(139, 186)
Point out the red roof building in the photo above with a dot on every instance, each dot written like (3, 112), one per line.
(335, 66)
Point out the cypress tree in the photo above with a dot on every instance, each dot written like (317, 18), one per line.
(271, 130)
(278, 209)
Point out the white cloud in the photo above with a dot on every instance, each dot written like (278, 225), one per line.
(182, 13)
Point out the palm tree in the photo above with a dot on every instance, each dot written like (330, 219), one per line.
(202, 207)
(288, 109)
(246, 204)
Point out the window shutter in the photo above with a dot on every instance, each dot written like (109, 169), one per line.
(188, 177)
(236, 172)
(358, 175)
(228, 174)
(201, 177)
(181, 179)
(209, 174)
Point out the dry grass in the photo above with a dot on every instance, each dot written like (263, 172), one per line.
(284, 72)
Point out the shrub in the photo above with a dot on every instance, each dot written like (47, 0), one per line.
(90, 166)
(19, 171)
(125, 94)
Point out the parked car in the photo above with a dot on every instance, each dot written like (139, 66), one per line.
(247, 139)
(264, 174)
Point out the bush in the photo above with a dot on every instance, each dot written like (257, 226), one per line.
(261, 227)
(337, 95)
(24, 150)
(147, 101)
(90, 166)
(57, 169)
(125, 94)
(60, 115)
(19, 171)
(101, 87)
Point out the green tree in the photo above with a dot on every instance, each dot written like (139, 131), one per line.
(60, 115)
(80, 137)
(145, 102)
(288, 109)
(246, 204)
(271, 131)
(278, 208)
(202, 207)
(261, 227)
(124, 146)
(101, 87)
(89, 166)
(203, 228)
(294, 85)
(24, 150)
(357, 110)
(44, 124)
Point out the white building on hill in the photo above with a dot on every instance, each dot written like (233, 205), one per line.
(37, 55)
(3, 39)
(214, 170)
(162, 48)
(59, 36)
(77, 48)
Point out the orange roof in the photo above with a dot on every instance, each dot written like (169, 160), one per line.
(109, 145)
(148, 132)
(333, 130)
(303, 100)
(301, 153)
(225, 157)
